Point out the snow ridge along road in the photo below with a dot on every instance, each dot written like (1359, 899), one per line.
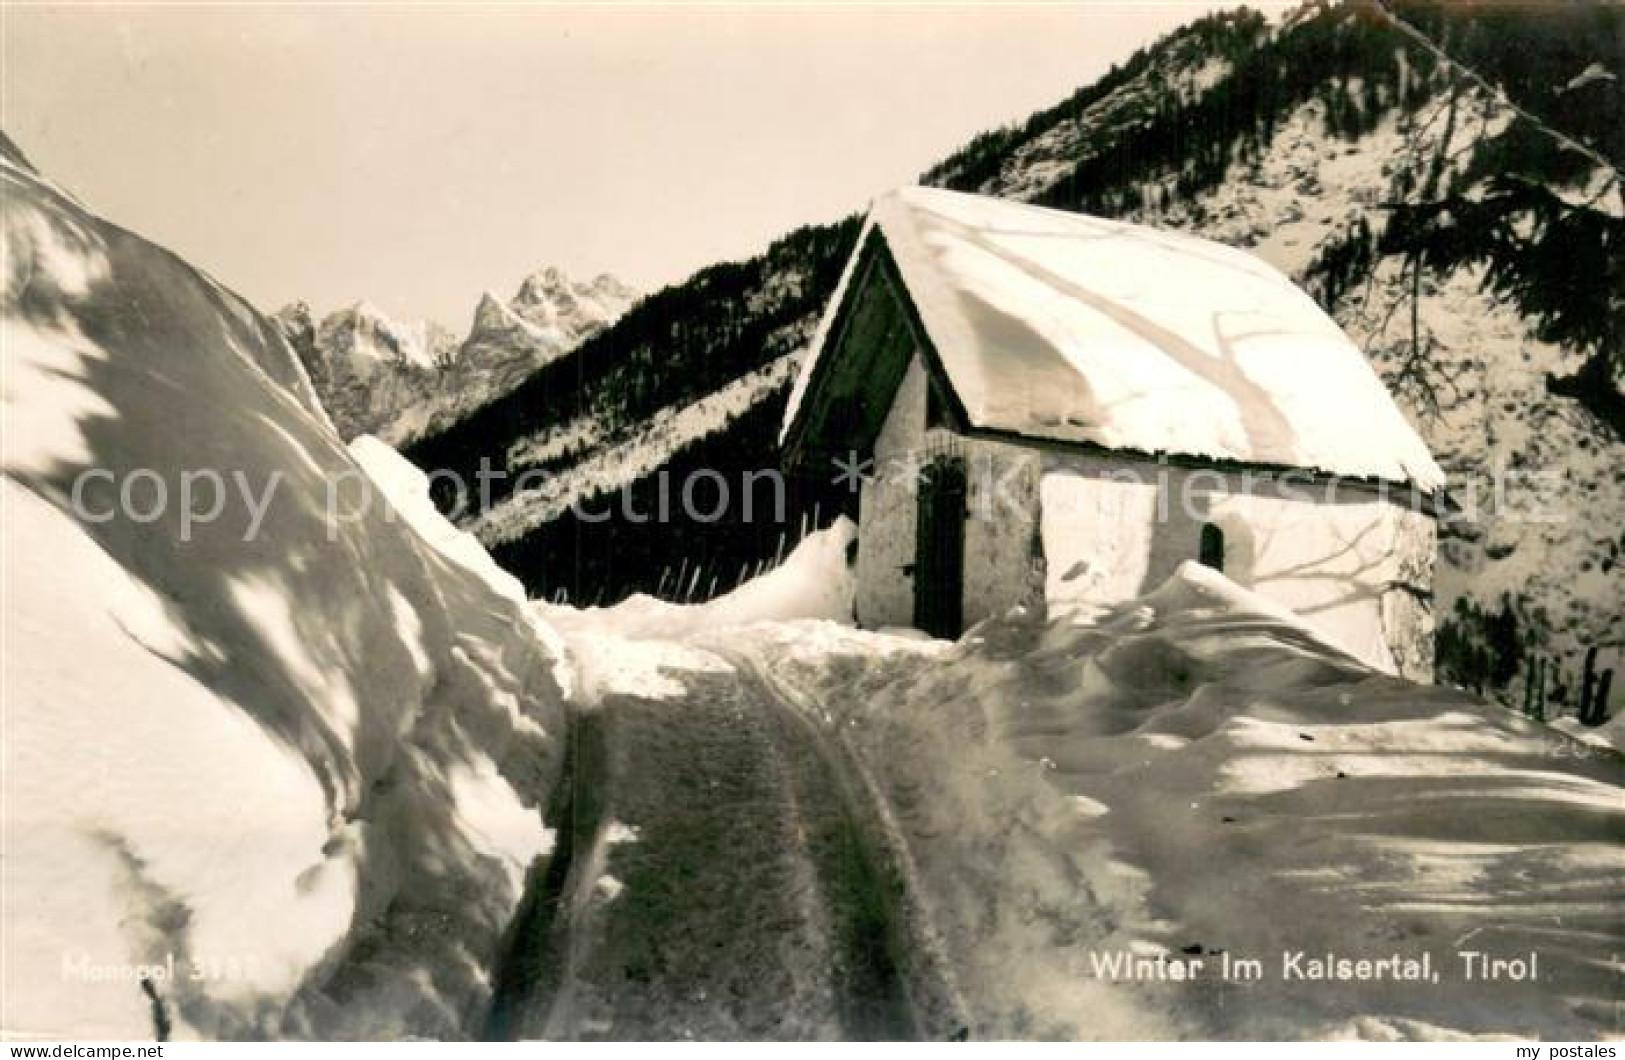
(722, 871)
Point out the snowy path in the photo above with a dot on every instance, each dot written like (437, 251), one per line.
(723, 872)
(794, 829)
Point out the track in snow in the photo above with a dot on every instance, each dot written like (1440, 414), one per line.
(720, 871)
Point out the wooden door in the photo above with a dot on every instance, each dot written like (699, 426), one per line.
(939, 551)
(1210, 550)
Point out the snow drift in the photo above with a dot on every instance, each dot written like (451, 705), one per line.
(1192, 779)
(1198, 776)
(815, 581)
(284, 766)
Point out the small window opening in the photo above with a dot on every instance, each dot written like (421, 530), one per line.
(936, 413)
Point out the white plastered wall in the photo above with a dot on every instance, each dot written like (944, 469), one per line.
(1072, 529)
(1355, 564)
(1003, 567)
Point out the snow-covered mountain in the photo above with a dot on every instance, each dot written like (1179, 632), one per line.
(365, 340)
(399, 380)
(549, 316)
(1355, 115)
(276, 737)
(692, 377)
(369, 369)
(1299, 139)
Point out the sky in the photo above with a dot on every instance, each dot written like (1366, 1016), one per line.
(417, 156)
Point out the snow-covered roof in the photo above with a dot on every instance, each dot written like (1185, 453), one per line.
(1066, 327)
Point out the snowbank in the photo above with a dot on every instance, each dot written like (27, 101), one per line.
(1610, 733)
(406, 489)
(814, 582)
(1197, 776)
(286, 765)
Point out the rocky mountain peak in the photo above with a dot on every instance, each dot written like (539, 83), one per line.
(378, 375)
(551, 299)
(367, 337)
(491, 312)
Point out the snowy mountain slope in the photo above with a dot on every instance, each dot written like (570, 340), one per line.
(588, 423)
(1298, 153)
(1195, 777)
(370, 370)
(399, 381)
(666, 433)
(287, 766)
(365, 340)
(549, 316)
(1025, 159)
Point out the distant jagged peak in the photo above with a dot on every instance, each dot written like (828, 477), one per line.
(549, 280)
(361, 312)
(296, 315)
(551, 311)
(550, 296)
(544, 294)
(366, 335)
(609, 283)
(489, 307)
(380, 375)
(494, 318)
